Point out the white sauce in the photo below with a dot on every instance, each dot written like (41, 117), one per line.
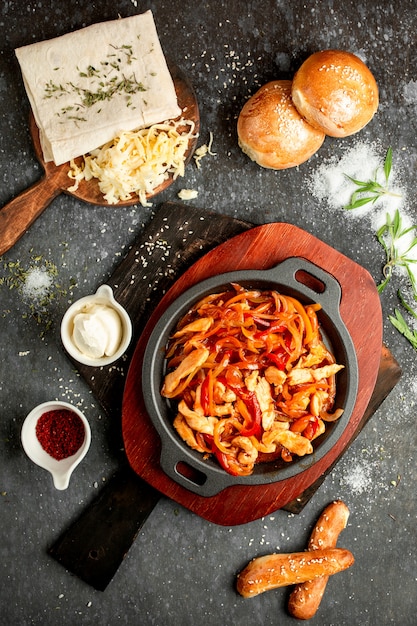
(97, 331)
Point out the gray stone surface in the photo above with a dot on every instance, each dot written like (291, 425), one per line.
(181, 569)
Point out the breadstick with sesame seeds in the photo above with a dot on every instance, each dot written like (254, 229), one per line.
(279, 570)
(306, 597)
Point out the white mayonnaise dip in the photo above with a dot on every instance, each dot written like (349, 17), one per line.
(97, 330)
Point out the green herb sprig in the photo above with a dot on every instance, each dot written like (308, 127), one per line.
(398, 321)
(389, 236)
(371, 190)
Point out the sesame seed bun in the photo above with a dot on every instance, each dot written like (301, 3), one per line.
(272, 132)
(335, 92)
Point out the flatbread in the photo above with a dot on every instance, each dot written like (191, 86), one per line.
(87, 86)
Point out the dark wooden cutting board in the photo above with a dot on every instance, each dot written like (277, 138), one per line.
(177, 237)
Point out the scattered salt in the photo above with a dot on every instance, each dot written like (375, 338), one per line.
(358, 479)
(38, 283)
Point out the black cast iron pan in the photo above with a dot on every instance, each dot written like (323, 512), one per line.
(295, 277)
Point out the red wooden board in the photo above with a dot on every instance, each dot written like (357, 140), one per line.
(259, 248)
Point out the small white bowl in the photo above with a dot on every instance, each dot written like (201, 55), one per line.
(61, 470)
(104, 295)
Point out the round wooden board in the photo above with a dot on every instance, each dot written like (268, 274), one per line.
(18, 214)
(259, 248)
(89, 191)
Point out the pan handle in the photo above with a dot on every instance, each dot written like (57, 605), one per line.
(311, 280)
(18, 214)
(186, 470)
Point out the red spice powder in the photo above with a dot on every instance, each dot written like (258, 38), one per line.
(60, 433)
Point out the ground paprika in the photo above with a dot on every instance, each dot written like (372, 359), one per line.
(60, 432)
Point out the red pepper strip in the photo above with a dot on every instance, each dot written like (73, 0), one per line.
(273, 328)
(201, 440)
(226, 461)
(288, 339)
(204, 399)
(279, 359)
(255, 430)
(252, 404)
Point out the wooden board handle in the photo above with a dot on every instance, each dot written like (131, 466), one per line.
(22, 211)
(94, 546)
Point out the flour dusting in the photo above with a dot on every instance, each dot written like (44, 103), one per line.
(363, 161)
(358, 479)
(331, 184)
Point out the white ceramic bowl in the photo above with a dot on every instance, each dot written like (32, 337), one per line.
(104, 296)
(61, 470)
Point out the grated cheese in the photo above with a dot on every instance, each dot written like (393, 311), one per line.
(136, 162)
(203, 151)
(188, 194)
